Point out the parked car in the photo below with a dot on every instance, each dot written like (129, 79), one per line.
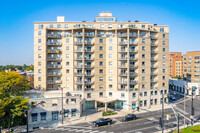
(172, 97)
(129, 117)
(102, 121)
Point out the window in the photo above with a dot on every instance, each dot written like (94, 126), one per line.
(100, 56)
(122, 95)
(58, 25)
(39, 48)
(40, 26)
(67, 55)
(163, 49)
(164, 42)
(39, 40)
(143, 63)
(143, 48)
(67, 71)
(141, 94)
(165, 91)
(102, 26)
(110, 94)
(163, 35)
(39, 56)
(110, 47)
(39, 70)
(143, 70)
(100, 94)
(43, 116)
(88, 95)
(101, 86)
(101, 63)
(151, 93)
(110, 26)
(67, 40)
(39, 79)
(67, 78)
(143, 55)
(54, 115)
(66, 26)
(34, 117)
(39, 63)
(100, 78)
(143, 26)
(110, 40)
(110, 79)
(164, 56)
(133, 95)
(101, 71)
(67, 63)
(143, 78)
(163, 77)
(164, 63)
(143, 40)
(67, 48)
(39, 32)
(110, 71)
(163, 84)
(110, 86)
(100, 40)
(110, 55)
(163, 70)
(161, 29)
(110, 63)
(100, 48)
(143, 86)
(156, 92)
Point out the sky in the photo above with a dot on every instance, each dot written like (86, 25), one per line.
(17, 19)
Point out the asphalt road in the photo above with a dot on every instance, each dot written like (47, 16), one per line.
(145, 123)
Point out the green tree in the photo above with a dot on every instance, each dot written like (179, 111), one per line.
(30, 68)
(12, 104)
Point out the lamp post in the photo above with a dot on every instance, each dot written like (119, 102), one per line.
(192, 108)
(62, 111)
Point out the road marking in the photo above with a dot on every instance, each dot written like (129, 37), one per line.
(139, 129)
(73, 130)
(87, 131)
(180, 110)
(94, 131)
(78, 127)
(80, 130)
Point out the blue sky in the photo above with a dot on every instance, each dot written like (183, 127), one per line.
(17, 18)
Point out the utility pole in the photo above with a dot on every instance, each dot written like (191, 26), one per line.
(178, 123)
(138, 108)
(26, 114)
(162, 112)
(62, 106)
(192, 109)
(184, 104)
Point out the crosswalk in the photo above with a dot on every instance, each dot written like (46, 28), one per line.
(78, 130)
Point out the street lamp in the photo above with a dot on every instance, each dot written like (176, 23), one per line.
(62, 111)
(192, 108)
(26, 114)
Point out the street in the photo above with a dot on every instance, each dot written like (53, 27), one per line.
(145, 122)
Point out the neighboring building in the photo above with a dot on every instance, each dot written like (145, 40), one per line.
(104, 61)
(191, 66)
(50, 112)
(175, 64)
(182, 86)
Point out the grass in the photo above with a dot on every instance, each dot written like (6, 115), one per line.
(193, 129)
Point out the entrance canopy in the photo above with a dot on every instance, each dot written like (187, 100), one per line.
(105, 100)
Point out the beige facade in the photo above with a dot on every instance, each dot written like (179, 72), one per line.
(191, 67)
(103, 59)
(176, 64)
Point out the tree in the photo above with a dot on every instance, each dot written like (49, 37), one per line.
(12, 103)
(30, 68)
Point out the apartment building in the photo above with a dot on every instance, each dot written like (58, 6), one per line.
(175, 64)
(191, 66)
(108, 63)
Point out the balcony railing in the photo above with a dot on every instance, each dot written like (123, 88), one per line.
(89, 89)
(54, 81)
(154, 80)
(154, 87)
(123, 43)
(78, 42)
(122, 66)
(154, 44)
(123, 58)
(122, 74)
(89, 50)
(154, 66)
(54, 43)
(78, 74)
(54, 36)
(89, 74)
(133, 74)
(79, 58)
(53, 51)
(68, 35)
(133, 43)
(154, 73)
(86, 58)
(132, 82)
(53, 59)
(122, 89)
(78, 89)
(153, 59)
(133, 66)
(54, 74)
(89, 82)
(133, 50)
(123, 82)
(133, 35)
(154, 52)
(54, 66)
(78, 81)
(123, 50)
(153, 37)
(78, 66)
(100, 35)
(122, 35)
(89, 35)
(78, 50)
(133, 58)
(89, 66)
(52, 89)
(89, 43)
(78, 35)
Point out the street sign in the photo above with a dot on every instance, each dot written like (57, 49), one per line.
(167, 117)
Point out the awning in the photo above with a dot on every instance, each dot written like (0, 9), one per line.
(105, 100)
(43, 113)
(66, 111)
(34, 114)
(54, 112)
(73, 110)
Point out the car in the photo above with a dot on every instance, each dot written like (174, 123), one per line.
(129, 117)
(102, 121)
(172, 97)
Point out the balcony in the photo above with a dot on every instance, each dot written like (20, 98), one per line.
(89, 35)
(89, 50)
(49, 89)
(100, 35)
(122, 74)
(89, 74)
(89, 66)
(133, 66)
(79, 58)
(78, 89)
(153, 37)
(122, 89)
(153, 52)
(79, 82)
(133, 50)
(154, 73)
(78, 74)
(122, 66)
(68, 35)
(123, 58)
(78, 42)
(132, 82)
(133, 43)
(154, 44)
(133, 35)
(133, 74)
(89, 82)
(122, 35)
(78, 66)
(153, 59)
(89, 89)
(54, 36)
(78, 35)
(54, 81)
(54, 66)
(89, 43)
(123, 43)
(133, 58)
(54, 74)
(123, 50)
(78, 50)
(154, 80)
(123, 82)
(53, 59)
(91, 59)
(54, 43)
(144, 36)
(154, 66)
(53, 51)
(110, 35)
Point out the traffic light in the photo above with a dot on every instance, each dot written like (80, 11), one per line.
(160, 122)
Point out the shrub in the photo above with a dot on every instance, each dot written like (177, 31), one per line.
(108, 113)
(196, 128)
